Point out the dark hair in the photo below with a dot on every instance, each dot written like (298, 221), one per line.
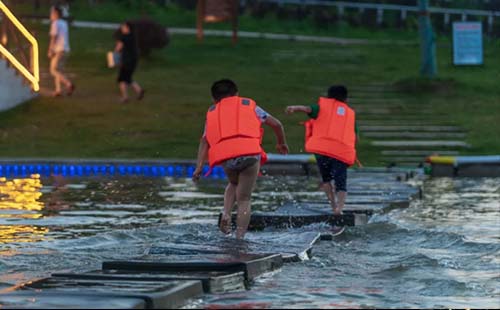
(58, 10)
(224, 88)
(338, 92)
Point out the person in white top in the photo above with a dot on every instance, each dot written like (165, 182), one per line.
(58, 51)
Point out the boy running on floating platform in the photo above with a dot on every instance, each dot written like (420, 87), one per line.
(331, 137)
(232, 138)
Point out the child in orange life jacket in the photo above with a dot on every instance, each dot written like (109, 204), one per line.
(232, 138)
(331, 136)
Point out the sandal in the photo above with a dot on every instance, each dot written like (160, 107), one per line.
(225, 225)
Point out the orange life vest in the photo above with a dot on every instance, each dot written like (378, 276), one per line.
(332, 133)
(233, 129)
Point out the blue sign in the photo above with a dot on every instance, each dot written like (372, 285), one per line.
(467, 43)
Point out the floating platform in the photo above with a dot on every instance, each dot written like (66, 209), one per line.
(154, 295)
(214, 282)
(465, 166)
(64, 300)
(252, 266)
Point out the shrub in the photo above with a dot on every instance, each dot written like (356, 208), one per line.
(149, 35)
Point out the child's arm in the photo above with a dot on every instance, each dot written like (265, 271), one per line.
(202, 157)
(298, 108)
(279, 131)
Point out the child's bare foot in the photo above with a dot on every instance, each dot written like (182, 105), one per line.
(337, 211)
(225, 225)
(334, 207)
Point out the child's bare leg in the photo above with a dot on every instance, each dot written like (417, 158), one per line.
(330, 193)
(229, 200)
(246, 183)
(341, 197)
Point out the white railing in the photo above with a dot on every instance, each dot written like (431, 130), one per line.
(403, 9)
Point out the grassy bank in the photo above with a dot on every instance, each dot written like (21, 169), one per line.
(170, 121)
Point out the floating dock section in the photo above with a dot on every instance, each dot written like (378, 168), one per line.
(465, 166)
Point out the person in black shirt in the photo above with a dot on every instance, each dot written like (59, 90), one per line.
(127, 47)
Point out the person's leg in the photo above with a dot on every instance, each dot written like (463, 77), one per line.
(138, 90)
(246, 183)
(325, 169)
(61, 62)
(229, 201)
(340, 177)
(55, 74)
(124, 91)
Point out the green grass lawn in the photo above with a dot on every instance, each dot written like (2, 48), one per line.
(169, 122)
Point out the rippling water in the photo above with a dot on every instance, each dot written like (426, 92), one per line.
(443, 251)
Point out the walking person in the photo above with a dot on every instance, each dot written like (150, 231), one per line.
(332, 136)
(126, 45)
(232, 138)
(58, 52)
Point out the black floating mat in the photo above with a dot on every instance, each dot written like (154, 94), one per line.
(64, 300)
(300, 208)
(263, 220)
(412, 192)
(214, 282)
(156, 295)
(253, 265)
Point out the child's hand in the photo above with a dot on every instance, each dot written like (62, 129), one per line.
(197, 175)
(282, 148)
(290, 109)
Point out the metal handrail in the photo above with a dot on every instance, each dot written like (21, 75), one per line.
(31, 74)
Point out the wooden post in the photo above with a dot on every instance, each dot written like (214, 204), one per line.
(200, 19)
(234, 18)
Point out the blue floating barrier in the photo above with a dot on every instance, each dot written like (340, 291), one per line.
(137, 169)
(56, 170)
(103, 170)
(32, 169)
(46, 170)
(39, 169)
(155, 171)
(87, 170)
(170, 171)
(130, 170)
(8, 170)
(112, 170)
(179, 171)
(72, 170)
(15, 170)
(122, 170)
(163, 171)
(79, 170)
(95, 170)
(146, 171)
(190, 171)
